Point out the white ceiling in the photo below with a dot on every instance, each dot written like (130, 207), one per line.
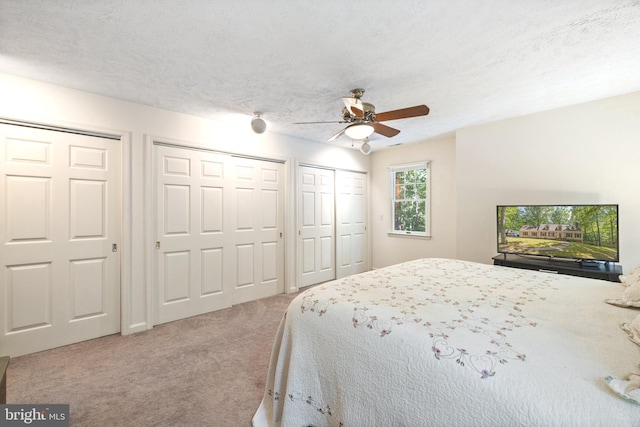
(470, 61)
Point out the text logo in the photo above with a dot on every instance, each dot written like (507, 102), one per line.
(35, 415)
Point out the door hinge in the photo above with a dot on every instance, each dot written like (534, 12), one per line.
(281, 234)
(158, 245)
(114, 247)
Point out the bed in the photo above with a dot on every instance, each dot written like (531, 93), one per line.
(436, 342)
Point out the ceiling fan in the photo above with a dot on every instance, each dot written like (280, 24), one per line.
(363, 120)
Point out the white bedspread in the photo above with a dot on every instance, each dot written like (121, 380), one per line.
(438, 342)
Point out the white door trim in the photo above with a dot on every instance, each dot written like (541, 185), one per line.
(55, 128)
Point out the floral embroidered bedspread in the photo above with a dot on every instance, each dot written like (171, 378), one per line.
(447, 342)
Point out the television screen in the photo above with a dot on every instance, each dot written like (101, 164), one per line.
(581, 232)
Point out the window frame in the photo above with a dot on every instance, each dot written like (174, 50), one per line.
(392, 181)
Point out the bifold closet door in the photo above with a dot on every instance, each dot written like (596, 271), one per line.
(258, 223)
(60, 231)
(192, 269)
(316, 225)
(219, 221)
(352, 242)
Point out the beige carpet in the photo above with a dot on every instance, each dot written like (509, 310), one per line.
(208, 370)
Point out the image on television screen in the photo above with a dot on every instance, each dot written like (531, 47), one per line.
(581, 232)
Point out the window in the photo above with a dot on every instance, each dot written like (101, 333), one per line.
(410, 199)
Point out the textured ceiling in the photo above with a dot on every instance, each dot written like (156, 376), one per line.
(470, 61)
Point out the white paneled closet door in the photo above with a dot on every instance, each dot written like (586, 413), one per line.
(316, 225)
(193, 275)
(219, 221)
(258, 224)
(60, 229)
(352, 242)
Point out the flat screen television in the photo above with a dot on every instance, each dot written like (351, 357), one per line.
(579, 232)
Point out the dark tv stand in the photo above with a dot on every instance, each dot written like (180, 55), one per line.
(600, 270)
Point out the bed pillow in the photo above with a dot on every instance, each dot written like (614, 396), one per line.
(632, 292)
(633, 329)
(630, 296)
(633, 276)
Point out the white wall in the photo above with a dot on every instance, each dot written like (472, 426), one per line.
(588, 153)
(28, 100)
(391, 249)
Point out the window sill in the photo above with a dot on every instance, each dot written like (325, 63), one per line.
(409, 235)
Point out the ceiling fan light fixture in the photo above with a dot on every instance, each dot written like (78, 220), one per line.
(359, 131)
(258, 124)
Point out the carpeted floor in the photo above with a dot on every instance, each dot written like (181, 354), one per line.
(208, 370)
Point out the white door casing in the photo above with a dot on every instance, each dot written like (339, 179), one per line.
(316, 229)
(60, 229)
(352, 242)
(219, 221)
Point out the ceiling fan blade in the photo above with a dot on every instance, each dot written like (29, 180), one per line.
(357, 112)
(313, 123)
(351, 102)
(403, 113)
(334, 137)
(384, 130)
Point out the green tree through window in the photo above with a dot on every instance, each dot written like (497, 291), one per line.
(410, 198)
